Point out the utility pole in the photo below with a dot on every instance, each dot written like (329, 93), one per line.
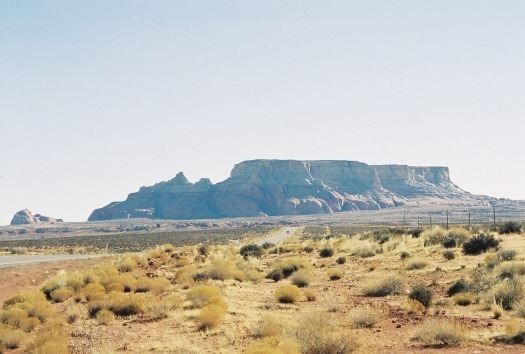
(430, 220)
(447, 219)
(494, 214)
(404, 218)
(469, 220)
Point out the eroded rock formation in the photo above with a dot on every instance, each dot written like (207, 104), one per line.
(25, 217)
(291, 187)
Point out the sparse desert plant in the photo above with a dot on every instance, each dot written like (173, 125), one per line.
(51, 338)
(479, 244)
(510, 227)
(364, 250)
(118, 303)
(288, 294)
(128, 280)
(29, 324)
(252, 250)
(460, 286)
(210, 316)
(275, 274)
(422, 294)
(201, 295)
(334, 273)
(10, 338)
(459, 235)
(291, 265)
(273, 345)
(267, 245)
(417, 263)
(153, 285)
(415, 233)
(507, 293)
(13, 316)
(308, 249)
(449, 255)
(404, 255)
(387, 285)
(61, 294)
(341, 260)
(514, 332)
(434, 236)
(449, 242)
(464, 299)
(519, 308)
(440, 332)
(326, 252)
(497, 310)
(413, 307)
(510, 269)
(320, 334)
(127, 265)
(268, 327)
(309, 294)
(365, 316)
(94, 291)
(72, 314)
(105, 317)
(223, 269)
(506, 255)
(301, 278)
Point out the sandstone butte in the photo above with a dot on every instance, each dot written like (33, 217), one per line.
(291, 187)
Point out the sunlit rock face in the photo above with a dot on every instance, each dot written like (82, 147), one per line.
(292, 187)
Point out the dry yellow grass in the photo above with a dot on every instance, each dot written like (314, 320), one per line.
(288, 294)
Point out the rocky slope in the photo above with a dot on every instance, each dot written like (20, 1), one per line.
(291, 187)
(25, 217)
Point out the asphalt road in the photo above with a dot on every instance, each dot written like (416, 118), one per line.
(278, 237)
(10, 261)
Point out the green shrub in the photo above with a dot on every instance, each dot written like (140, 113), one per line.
(308, 249)
(275, 274)
(449, 242)
(334, 273)
(510, 227)
(326, 252)
(479, 244)
(461, 286)
(267, 245)
(449, 255)
(252, 250)
(422, 294)
(404, 255)
(341, 260)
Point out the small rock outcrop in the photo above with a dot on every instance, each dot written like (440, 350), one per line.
(292, 187)
(25, 217)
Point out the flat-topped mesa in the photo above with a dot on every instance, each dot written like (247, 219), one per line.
(292, 187)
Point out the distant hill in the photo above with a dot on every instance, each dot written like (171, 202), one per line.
(291, 187)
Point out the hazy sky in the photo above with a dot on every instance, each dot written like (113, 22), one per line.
(98, 98)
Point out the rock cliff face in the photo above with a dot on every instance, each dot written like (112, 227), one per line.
(25, 217)
(291, 187)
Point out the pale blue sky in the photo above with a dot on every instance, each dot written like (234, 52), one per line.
(98, 98)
